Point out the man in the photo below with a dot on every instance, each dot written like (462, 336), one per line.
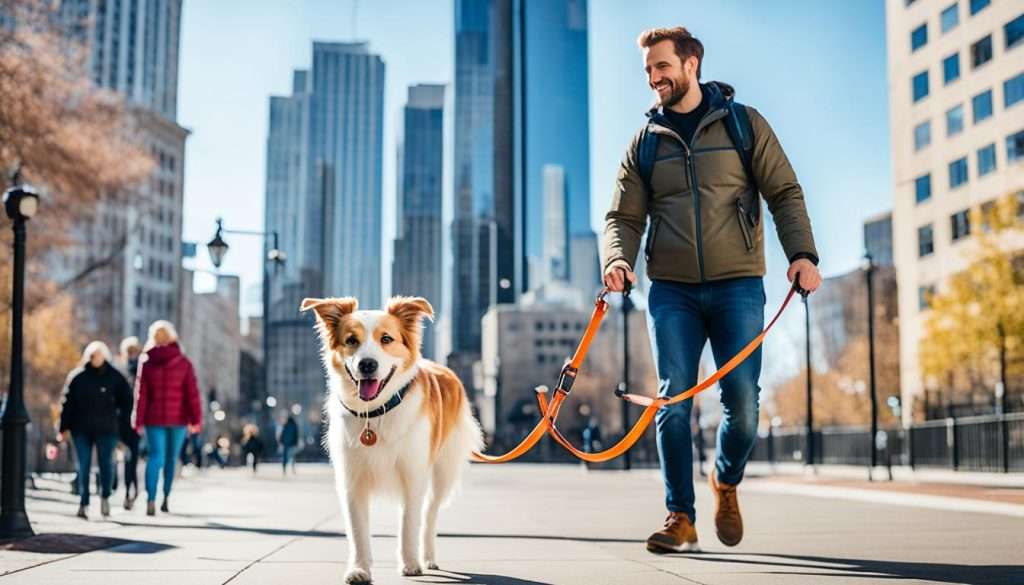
(705, 258)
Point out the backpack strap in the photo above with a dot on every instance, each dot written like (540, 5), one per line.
(647, 153)
(741, 132)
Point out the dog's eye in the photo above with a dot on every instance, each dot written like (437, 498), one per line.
(352, 340)
(386, 339)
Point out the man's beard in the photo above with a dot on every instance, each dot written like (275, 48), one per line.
(680, 87)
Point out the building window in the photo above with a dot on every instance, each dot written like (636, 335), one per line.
(1014, 31)
(955, 120)
(924, 296)
(981, 52)
(1015, 146)
(138, 297)
(986, 160)
(919, 37)
(1013, 90)
(923, 188)
(922, 135)
(925, 241)
(981, 105)
(978, 5)
(961, 224)
(950, 18)
(920, 86)
(957, 173)
(951, 68)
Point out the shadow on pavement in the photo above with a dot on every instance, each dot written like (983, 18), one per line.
(62, 544)
(937, 572)
(449, 578)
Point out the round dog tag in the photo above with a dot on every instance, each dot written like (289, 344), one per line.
(368, 437)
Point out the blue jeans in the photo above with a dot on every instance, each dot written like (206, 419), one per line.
(164, 445)
(682, 317)
(105, 460)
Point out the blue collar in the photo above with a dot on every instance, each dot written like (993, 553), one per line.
(389, 405)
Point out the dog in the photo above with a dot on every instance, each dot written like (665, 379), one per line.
(398, 424)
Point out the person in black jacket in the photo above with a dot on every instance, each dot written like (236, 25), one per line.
(131, 349)
(289, 440)
(95, 396)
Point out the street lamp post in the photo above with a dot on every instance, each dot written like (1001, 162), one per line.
(869, 272)
(810, 388)
(217, 248)
(21, 203)
(627, 307)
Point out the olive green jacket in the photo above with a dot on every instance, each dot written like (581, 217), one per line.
(699, 228)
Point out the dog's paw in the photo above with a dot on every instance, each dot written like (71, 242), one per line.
(412, 570)
(357, 577)
(431, 565)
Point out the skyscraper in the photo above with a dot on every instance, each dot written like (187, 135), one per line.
(132, 48)
(323, 198)
(418, 258)
(346, 132)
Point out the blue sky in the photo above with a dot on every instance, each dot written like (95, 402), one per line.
(816, 70)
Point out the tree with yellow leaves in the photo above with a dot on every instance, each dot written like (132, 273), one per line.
(973, 332)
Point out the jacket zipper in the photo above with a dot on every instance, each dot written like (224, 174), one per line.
(650, 240)
(741, 216)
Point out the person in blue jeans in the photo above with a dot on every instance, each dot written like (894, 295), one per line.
(693, 180)
(95, 395)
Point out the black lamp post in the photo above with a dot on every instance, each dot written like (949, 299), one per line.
(869, 272)
(810, 388)
(627, 307)
(21, 203)
(218, 248)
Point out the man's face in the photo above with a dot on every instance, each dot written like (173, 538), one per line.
(667, 75)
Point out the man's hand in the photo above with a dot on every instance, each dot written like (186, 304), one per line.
(615, 275)
(810, 278)
(63, 436)
(192, 429)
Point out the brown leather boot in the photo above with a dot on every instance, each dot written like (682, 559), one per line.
(728, 521)
(678, 535)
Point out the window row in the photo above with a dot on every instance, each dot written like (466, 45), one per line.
(985, 163)
(949, 19)
(982, 108)
(959, 226)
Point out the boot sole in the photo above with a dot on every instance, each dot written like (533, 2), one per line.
(660, 548)
(728, 542)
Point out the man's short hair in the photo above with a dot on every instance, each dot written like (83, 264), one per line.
(685, 44)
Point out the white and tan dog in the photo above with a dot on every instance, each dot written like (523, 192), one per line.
(399, 425)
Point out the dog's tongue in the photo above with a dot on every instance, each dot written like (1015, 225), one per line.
(368, 388)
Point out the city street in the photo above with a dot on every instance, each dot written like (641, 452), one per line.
(531, 524)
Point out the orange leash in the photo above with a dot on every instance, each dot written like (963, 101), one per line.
(652, 404)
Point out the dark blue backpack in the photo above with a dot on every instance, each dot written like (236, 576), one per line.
(737, 125)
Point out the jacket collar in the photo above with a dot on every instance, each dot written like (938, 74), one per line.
(719, 95)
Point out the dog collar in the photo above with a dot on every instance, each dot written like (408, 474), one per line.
(390, 404)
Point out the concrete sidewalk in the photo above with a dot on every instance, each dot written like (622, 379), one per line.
(518, 525)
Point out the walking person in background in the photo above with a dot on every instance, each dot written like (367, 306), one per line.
(168, 407)
(95, 395)
(131, 350)
(289, 439)
(252, 444)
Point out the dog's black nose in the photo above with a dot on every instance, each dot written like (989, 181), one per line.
(367, 366)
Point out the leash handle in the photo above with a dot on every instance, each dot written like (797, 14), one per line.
(799, 289)
(627, 285)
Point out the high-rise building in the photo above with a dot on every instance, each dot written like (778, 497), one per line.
(212, 338)
(553, 110)
(521, 103)
(957, 111)
(125, 269)
(878, 238)
(556, 244)
(323, 200)
(418, 257)
(346, 151)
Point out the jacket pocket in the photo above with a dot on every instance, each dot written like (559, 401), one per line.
(649, 248)
(743, 218)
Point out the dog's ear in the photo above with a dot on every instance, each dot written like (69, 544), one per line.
(328, 315)
(411, 311)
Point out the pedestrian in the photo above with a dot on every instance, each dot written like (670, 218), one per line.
(95, 395)
(691, 179)
(252, 445)
(131, 349)
(288, 439)
(167, 408)
(217, 450)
